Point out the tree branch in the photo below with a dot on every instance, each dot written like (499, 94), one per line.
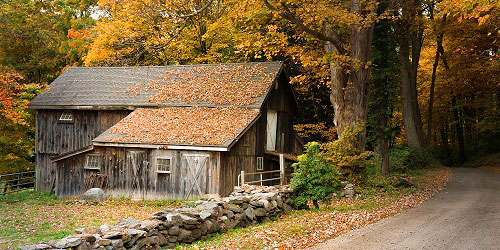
(288, 15)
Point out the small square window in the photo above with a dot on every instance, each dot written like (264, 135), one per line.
(163, 165)
(66, 117)
(260, 163)
(93, 162)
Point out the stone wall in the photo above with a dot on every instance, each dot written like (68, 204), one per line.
(197, 220)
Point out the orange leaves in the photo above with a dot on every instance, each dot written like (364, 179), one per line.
(214, 84)
(183, 125)
(10, 88)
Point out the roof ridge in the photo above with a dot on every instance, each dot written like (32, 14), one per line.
(172, 66)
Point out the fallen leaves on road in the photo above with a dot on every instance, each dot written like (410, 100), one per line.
(302, 229)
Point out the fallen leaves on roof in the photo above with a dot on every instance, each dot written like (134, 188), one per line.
(182, 125)
(213, 84)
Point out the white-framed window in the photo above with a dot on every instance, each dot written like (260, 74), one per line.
(163, 165)
(260, 163)
(93, 161)
(66, 116)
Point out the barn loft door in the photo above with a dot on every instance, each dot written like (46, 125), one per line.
(138, 169)
(272, 121)
(196, 175)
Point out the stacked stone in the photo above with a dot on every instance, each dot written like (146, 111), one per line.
(198, 220)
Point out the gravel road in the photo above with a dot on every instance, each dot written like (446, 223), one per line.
(465, 215)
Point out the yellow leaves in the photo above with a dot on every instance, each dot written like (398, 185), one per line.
(483, 19)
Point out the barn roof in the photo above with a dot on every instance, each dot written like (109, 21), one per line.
(239, 84)
(192, 126)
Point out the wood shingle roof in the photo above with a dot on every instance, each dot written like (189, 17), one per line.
(210, 85)
(200, 126)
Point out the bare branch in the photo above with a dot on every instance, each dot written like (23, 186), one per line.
(288, 15)
(196, 11)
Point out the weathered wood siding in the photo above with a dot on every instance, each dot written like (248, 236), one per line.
(54, 137)
(132, 173)
(244, 157)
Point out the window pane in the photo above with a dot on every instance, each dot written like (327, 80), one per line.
(163, 164)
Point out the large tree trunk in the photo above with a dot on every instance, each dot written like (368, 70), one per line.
(349, 88)
(411, 39)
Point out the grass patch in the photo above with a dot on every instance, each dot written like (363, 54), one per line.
(29, 217)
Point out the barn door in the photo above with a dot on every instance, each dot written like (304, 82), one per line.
(272, 121)
(196, 177)
(139, 169)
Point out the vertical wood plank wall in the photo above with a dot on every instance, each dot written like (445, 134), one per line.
(132, 173)
(54, 137)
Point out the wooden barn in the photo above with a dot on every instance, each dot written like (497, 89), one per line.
(163, 132)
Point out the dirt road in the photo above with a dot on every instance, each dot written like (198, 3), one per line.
(465, 215)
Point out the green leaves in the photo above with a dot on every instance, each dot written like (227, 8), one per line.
(314, 178)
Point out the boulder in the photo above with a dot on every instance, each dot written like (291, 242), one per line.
(249, 213)
(148, 225)
(184, 236)
(68, 242)
(174, 218)
(116, 243)
(83, 246)
(128, 222)
(103, 242)
(112, 235)
(88, 238)
(260, 212)
(234, 208)
(265, 196)
(93, 194)
(134, 232)
(175, 230)
(188, 219)
(34, 247)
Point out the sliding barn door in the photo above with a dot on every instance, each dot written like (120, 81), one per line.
(138, 169)
(272, 122)
(196, 171)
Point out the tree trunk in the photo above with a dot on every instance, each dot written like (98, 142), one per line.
(439, 46)
(349, 87)
(459, 130)
(444, 137)
(411, 39)
(383, 150)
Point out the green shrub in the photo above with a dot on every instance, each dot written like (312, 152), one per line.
(321, 169)
(405, 158)
(314, 178)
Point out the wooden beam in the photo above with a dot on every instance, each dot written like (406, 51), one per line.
(282, 169)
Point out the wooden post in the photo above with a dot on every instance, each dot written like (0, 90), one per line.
(242, 177)
(282, 169)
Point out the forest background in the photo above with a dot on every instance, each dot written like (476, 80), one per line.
(427, 72)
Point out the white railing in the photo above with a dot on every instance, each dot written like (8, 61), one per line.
(281, 171)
